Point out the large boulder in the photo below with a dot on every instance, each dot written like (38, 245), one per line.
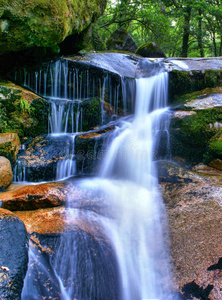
(194, 212)
(195, 128)
(69, 242)
(121, 40)
(44, 23)
(32, 197)
(5, 172)
(19, 111)
(9, 145)
(150, 50)
(13, 255)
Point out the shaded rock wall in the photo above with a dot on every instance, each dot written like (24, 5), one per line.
(43, 23)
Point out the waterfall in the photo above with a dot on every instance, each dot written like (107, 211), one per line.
(125, 204)
(128, 259)
(67, 166)
(128, 179)
(136, 232)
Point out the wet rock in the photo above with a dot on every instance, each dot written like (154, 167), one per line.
(9, 145)
(168, 171)
(91, 148)
(34, 196)
(61, 239)
(150, 50)
(39, 161)
(13, 255)
(182, 114)
(5, 172)
(194, 213)
(116, 63)
(205, 101)
(59, 258)
(121, 40)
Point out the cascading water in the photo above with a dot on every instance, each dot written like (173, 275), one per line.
(129, 183)
(125, 204)
(78, 100)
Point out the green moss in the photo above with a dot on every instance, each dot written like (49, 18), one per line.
(43, 23)
(182, 83)
(19, 115)
(191, 96)
(150, 50)
(190, 136)
(216, 148)
(91, 114)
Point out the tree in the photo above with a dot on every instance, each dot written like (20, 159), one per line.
(179, 27)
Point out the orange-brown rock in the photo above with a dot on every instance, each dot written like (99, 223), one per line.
(34, 196)
(216, 163)
(59, 219)
(5, 172)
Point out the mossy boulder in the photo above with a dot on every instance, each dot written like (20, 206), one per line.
(9, 145)
(150, 50)
(21, 111)
(191, 135)
(184, 82)
(121, 40)
(43, 23)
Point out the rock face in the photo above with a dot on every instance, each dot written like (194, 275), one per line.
(13, 255)
(44, 23)
(194, 212)
(121, 40)
(5, 172)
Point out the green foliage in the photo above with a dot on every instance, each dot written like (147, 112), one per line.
(168, 24)
(24, 105)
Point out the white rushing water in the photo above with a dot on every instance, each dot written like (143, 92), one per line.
(130, 192)
(135, 201)
(134, 222)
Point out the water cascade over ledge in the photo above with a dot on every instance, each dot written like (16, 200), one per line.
(124, 203)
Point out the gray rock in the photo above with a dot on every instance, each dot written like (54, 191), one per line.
(13, 255)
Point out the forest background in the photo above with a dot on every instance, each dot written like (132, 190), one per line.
(183, 28)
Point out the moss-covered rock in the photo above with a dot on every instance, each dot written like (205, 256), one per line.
(121, 40)
(21, 111)
(44, 23)
(183, 82)
(9, 145)
(190, 136)
(150, 50)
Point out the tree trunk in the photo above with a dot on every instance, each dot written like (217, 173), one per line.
(186, 32)
(215, 44)
(199, 34)
(220, 50)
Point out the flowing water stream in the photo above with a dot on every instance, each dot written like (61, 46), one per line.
(125, 203)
